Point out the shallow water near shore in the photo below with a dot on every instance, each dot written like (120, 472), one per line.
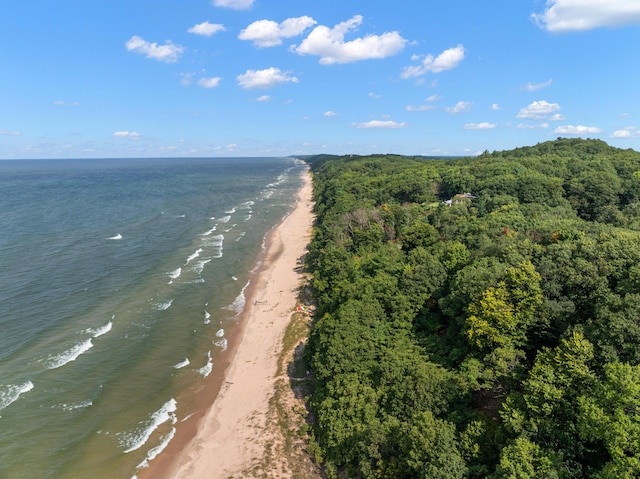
(121, 281)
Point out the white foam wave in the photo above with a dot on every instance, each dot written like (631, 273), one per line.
(72, 406)
(247, 218)
(207, 317)
(199, 266)
(59, 360)
(164, 306)
(103, 330)
(216, 243)
(221, 343)
(207, 368)
(225, 219)
(231, 211)
(220, 333)
(234, 278)
(12, 393)
(137, 438)
(154, 451)
(116, 237)
(241, 236)
(240, 301)
(175, 274)
(194, 256)
(207, 233)
(182, 364)
(247, 204)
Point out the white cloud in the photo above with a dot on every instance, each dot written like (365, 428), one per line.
(495, 106)
(459, 107)
(168, 52)
(576, 130)
(234, 4)
(558, 117)
(267, 33)
(10, 133)
(374, 95)
(573, 15)
(480, 126)
(419, 107)
(538, 110)
(267, 78)
(447, 60)
(628, 132)
(433, 98)
(330, 113)
(380, 124)
(525, 126)
(206, 29)
(329, 44)
(134, 135)
(210, 82)
(263, 98)
(537, 86)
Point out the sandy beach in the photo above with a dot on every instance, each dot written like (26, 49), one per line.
(228, 439)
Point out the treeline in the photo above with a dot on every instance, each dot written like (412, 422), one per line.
(478, 317)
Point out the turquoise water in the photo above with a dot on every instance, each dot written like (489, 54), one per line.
(120, 282)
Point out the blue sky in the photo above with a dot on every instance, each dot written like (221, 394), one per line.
(137, 78)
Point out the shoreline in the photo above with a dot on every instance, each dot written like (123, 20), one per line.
(223, 436)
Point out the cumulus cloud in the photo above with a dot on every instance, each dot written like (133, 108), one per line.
(234, 4)
(210, 82)
(263, 79)
(576, 130)
(134, 135)
(330, 113)
(380, 124)
(10, 133)
(267, 33)
(459, 107)
(330, 45)
(627, 132)
(169, 52)
(495, 106)
(537, 86)
(206, 29)
(538, 110)
(374, 95)
(447, 60)
(480, 126)
(263, 98)
(574, 15)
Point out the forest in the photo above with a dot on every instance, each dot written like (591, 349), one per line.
(477, 317)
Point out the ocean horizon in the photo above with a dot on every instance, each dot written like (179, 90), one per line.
(122, 280)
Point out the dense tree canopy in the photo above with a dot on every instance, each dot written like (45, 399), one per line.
(478, 317)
